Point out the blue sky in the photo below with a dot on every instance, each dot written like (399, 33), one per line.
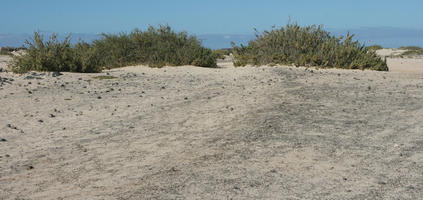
(203, 16)
(206, 16)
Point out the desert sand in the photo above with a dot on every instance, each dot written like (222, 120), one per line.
(203, 133)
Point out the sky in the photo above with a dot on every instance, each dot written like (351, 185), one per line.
(203, 17)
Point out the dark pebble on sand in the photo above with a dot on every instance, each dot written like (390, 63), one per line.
(381, 183)
(411, 187)
(41, 121)
(52, 116)
(99, 97)
(3, 140)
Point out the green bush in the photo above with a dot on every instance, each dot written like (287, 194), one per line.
(54, 55)
(6, 52)
(411, 48)
(307, 46)
(155, 47)
(411, 51)
(374, 48)
(221, 53)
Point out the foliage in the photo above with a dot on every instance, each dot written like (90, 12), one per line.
(374, 48)
(156, 47)
(411, 51)
(54, 55)
(306, 46)
(221, 53)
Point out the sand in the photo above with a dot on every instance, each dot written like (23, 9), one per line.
(202, 133)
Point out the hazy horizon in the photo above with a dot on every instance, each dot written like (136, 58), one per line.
(387, 37)
(389, 23)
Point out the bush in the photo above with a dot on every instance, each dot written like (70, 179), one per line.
(5, 51)
(8, 50)
(221, 53)
(374, 48)
(411, 48)
(307, 46)
(54, 55)
(155, 47)
(411, 51)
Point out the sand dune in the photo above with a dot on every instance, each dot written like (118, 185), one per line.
(203, 133)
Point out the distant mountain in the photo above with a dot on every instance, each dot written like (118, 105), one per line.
(385, 36)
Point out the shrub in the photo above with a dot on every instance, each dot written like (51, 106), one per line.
(155, 47)
(221, 53)
(411, 48)
(6, 52)
(374, 48)
(307, 46)
(54, 55)
(411, 51)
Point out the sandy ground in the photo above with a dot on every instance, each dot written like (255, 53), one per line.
(203, 133)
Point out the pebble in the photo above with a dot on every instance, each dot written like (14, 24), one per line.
(3, 140)
(11, 126)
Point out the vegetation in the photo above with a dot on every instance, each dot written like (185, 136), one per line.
(8, 50)
(4, 51)
(411, 51)
(55, 55)
(221, 53)
(374, 48)
(155, 47)
(307, 46)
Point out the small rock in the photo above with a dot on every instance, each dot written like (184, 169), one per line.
(3, 140)
(52, 116)
(32, 77)
(41, 121)
(411, 187)
(29, 167)
(186, 98)
(56, 74)
(99, 97)
(381, 183)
